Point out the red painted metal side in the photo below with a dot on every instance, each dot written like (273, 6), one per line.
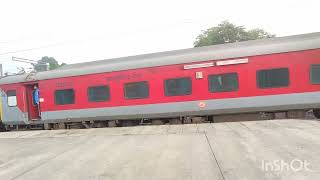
(297, 62)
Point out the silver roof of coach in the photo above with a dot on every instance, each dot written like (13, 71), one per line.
(215, 52)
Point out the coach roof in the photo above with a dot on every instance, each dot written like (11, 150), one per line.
(215, 52)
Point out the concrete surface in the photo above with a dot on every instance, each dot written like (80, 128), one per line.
(220, 151)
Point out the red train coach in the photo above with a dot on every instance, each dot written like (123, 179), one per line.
(253, 79)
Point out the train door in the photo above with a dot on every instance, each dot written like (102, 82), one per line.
(32, 103)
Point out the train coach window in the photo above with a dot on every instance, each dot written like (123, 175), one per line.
(223, 82)
(273, 78)
(178, 87)
(98, 93)
(136, 90)
(65, 96)
(315, 74)
(12, 98)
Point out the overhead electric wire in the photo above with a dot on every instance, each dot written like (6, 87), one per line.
(31, 49)
(61, 43)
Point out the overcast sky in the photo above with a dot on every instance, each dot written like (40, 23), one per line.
(76, 31)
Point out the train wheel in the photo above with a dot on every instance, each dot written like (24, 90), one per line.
(2, 127)
(316, 113)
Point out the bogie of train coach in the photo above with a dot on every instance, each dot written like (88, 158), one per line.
(316, 113)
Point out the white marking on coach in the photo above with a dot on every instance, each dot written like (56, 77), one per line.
(202, 65)
(233, 61)
(199, 75)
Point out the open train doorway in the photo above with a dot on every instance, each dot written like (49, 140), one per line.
(32, 98)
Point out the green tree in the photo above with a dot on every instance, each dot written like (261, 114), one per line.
(52, 63)
(227, 32)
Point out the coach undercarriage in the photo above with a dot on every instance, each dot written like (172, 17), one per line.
(87, 124)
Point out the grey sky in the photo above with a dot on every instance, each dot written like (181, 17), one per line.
(76, 31)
